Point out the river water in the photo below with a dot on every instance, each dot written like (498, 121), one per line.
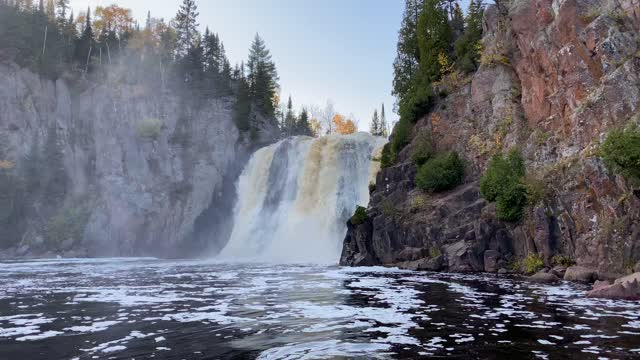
(147, 308)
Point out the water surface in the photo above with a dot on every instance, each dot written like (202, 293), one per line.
(143, 308)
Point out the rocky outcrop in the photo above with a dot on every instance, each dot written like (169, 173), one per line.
(626, 288)
(143, 164)
(556, 78)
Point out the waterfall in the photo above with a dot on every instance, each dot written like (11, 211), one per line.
(295, 197)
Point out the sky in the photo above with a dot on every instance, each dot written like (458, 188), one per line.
(338, 50)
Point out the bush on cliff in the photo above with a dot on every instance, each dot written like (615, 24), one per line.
(360, 216)
(442, 173)
(503, 183)
(422, 148)
(621, 152)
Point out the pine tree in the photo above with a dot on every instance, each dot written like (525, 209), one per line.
(289, 119)
(375, 124)
(434, 38)
(262, 76)
(186, 27)
(62, 6)
(85, 44)
(406, 64)
(457, 21)
(466, 46)
(384, 127)
(303, 127)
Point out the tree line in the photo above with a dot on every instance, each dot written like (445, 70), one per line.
(51, 40)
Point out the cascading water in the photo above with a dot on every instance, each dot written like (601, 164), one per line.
(294, 198)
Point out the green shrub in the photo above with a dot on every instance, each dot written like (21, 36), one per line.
(503, 183)
(621, 152)
(532, 264)
(388, 157)
(422, 148)
(360, 216)
(511, 202)
(149, 128)
(417, 102)
(444, 172)
(562, 260)
(67, 223)
(401, 136)
(388, 209)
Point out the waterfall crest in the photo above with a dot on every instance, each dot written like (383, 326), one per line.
(294, 198)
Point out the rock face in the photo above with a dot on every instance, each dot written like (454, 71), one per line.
(570, 73)
(143, 189)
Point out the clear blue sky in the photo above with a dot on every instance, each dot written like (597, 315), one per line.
(341, 50)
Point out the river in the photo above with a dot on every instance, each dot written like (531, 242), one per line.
(148, 308)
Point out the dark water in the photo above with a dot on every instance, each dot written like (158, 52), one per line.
(145, 308)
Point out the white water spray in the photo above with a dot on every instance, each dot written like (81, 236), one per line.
(294, 198)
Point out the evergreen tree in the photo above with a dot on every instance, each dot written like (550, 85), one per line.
(375, 124)
(466, 46)
(434, 38)
(457, 21)
(289, 119)
(303, 126)
(85, 44)
(62, 6)
(384, 127)
(262, 76)
(406, 64)
(186, 27)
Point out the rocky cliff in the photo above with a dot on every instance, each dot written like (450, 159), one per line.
(556, 76)
(147, 171)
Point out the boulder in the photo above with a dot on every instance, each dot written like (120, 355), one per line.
(629, 279)
(625, 291)
(580, 274)
(491, 258)
(432, 264)
(559, 271)
(545, 277)
(503, 271)
(601, 284)
(636, 268)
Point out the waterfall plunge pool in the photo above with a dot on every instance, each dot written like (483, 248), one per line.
(143, 308)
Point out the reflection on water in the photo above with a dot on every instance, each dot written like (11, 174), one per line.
(139, 308)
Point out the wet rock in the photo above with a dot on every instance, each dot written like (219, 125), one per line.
(637, 267)
(559, 271)
(491, 258)
(629, 279)
(545, 277)
(580, 274)
(23, 250)
(433, 264)
(503, 271)
(627, 288)
(601, 284)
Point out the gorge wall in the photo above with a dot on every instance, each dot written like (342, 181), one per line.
(146, 170)
(558, 75)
